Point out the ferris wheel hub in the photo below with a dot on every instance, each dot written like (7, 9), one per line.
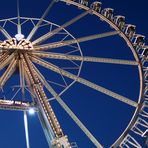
(13, 43)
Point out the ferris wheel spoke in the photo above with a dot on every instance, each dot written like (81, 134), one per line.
(57, 84)
(29, 86)
(6, 61)
(5, 33)
(55, 31)
(18, 17)
(74, 41)
(4, 56)
(22, 77)
(68, 110)
(33, 31)
(8, 73)
(84, 82)
(59, 56)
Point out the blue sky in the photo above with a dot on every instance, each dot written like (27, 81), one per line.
(104, 116)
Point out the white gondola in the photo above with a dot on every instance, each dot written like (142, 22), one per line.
(130, 30)
(140, 126)
(144, 108)
(84, 2)
(119, 21)
(145, 52)
(129, 142)
(108, 13)
(96, 6)
(139, 40)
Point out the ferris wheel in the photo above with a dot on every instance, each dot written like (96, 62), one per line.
(76, 68)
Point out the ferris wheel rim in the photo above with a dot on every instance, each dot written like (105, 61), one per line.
(140, 68)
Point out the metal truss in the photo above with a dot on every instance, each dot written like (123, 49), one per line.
(52, 55)
(84, 82)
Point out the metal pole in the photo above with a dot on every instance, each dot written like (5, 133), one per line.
(26, 129)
